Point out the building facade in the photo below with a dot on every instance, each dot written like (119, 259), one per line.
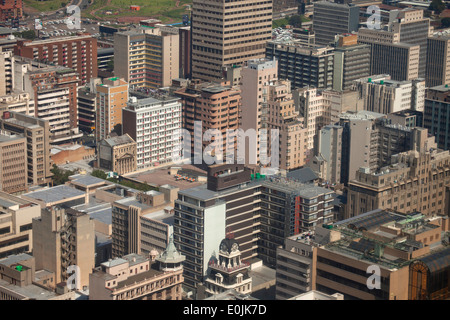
(118, 154)
(63, 237)
(112, 97)
(436, 114)
(155, 124)
(13, 163)
(16, 230)
(228, 34)
(332, 18)
(438, 61)
(75, 52)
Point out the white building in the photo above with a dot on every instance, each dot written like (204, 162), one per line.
(155, 125)
(383, 95)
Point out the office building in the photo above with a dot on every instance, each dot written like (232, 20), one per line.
(289, 208)
(112, 97)
(256, 76)
(293, 132)
(436, 115)
(147, 56)
(407, 118)
(415, 180)
(87, 106)
(7, 70)
(21, 280)
(75, 52)
(155, 124)
(11, 9)
(351, 62)
(37, 133)
(398, 244)
(303, 65)
(16, 232)
(438, 61)
(383, 95)
(54, 91)
(297, 260)
(236, 33)
(63, 237)
(135, 277)
(205, 213)
(137, 225)
(17, 101)
(210, 106)
(327, 159)
(117, 154)
(13, 163)
(331, 18)
(185, 52)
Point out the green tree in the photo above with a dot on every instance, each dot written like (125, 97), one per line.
(295, 21)
(445, 22)
(437, 6)
(99, 174)
(60, 176)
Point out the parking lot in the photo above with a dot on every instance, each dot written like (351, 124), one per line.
(64, 27)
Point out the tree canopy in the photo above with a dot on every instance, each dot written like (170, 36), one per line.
(437, 6)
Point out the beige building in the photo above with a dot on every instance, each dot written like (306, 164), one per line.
(136, 227)
(438, 61)
(63, 238)
(413, 181)
(256, 76)
(7, 72)
(37, 131)
(391, 241)
(15, 226)
(18, 102)
(135, 277)
(236, 33)
(112, 97)
(13, 163)
(118, 154)
(281, 115)
(147, 56)
(21, 280)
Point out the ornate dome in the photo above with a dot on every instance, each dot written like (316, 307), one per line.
(229, 245)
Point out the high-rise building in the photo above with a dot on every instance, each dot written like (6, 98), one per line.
(289, 208)
(228, 33)
(293, 132)
(7, 71)
(13, 163)
(412, 181)
(351, 62)
(11, 9)
(438, 61)
(155, 124)
(54, 91)
(214, 107)
(256, 76)
(147, 56)
(87, 106)
(64, 237)
(205, 213)
(75, 52)
(112, 97)
(407, 29)
(332, 18)
(436, 115)
(390, 56)
(37, 132)
(16, 234)
(303, 65)
(383, 95)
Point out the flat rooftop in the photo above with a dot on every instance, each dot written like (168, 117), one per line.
(32, 291)
(55, 194)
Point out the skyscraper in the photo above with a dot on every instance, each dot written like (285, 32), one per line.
(228, 33)
(332, 18)
(438, 61)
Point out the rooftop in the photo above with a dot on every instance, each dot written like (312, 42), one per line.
(119, 140)
(55, 194)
